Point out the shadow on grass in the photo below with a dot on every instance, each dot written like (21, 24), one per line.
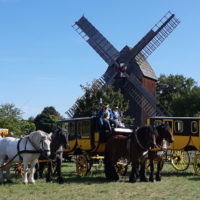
(98, 178)
(86, 180)
(177, 173)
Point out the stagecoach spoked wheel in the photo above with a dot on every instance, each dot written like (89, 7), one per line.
(180, 160)
(82, 165)
(121, 167)
(196, 164)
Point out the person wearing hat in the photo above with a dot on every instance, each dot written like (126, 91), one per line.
(116, 117)
(105, 116)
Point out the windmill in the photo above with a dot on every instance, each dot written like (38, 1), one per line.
(138, 79)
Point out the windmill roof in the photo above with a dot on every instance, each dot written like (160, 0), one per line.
(147, 70)
(144, 66)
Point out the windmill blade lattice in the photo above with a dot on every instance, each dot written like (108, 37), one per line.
(96, 40)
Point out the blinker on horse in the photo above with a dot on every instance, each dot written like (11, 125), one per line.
(130, 147)
(26, 149)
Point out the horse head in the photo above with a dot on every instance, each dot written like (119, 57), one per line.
(165, 132)
(63, 137)
(41, 141)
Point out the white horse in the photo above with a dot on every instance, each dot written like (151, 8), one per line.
(26, 150)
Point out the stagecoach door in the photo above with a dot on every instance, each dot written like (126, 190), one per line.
(70, 126)
(84, 135)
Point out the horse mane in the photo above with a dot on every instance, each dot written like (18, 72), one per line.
(35, 137)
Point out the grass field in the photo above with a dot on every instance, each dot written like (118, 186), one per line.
(174, 185)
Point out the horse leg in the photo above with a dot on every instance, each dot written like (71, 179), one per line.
(8, 176)
(143, 177)
(32, 171)
(107, 167)
(110, 171)
(134, 172)
(151, 177)
(41, 169)
(114, 175)
(158, 176)
(58, 169)
(24, 178)
(49, 172)
(1, 171)
(36, 175)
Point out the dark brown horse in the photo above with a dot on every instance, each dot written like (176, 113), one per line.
(164, 135)
(131, 147)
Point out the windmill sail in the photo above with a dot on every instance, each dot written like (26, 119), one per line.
(153, 38)
(96, 40)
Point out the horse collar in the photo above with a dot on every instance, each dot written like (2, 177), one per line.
(139, 143)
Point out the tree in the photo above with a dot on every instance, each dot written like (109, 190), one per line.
(46, 120)
(178, 95)
(11, 118)
(10, 111)
(95, 96)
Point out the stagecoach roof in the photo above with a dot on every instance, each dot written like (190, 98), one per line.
(75, 119)
(163, 117)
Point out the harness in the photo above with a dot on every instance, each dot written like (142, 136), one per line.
(25, 151)
(139, 143)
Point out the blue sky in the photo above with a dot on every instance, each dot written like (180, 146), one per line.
(43, 60)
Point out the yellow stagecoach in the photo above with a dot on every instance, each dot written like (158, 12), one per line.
(3, 132)
(87, 143)
(186, 145)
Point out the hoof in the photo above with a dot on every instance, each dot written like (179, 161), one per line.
(132, 180)
(48, 180)
(9, 181)
(143, 179)
(158, 179)
(151, 179)
(60, 180)
(31, 182)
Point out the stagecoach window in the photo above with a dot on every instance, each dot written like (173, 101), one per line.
(178, 126)
(157, 122)
(71, 128)
(194, 127)
(84, 128)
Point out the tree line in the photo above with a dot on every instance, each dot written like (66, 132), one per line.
(179, 95)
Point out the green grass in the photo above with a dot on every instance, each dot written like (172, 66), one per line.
(174, 185)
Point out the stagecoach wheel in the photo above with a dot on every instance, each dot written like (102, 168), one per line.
(180, 160)
(121, 167)
(18, 168)
(196, 164)
(82, 165)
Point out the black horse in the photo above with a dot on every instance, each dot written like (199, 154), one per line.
(59, 141)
